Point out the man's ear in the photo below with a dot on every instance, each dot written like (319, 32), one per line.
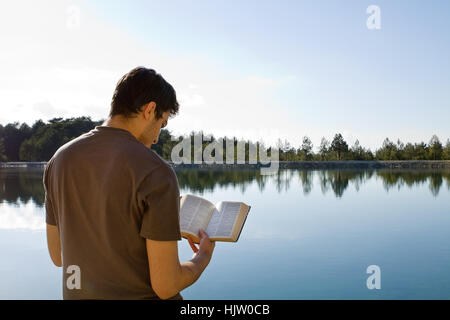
(149, 110)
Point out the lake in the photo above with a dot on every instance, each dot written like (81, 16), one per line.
(309, 235)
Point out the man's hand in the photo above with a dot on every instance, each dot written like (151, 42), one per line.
(167, 275)
(206, 246)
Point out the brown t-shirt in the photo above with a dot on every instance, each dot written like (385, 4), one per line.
(107, 192)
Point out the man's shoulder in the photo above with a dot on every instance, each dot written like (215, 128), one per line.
(145, 157)
(126, 151)
(68, 146)
(154, 162)
(157, 174)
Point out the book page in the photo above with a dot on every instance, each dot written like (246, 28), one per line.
(195, 213)
(223, 219)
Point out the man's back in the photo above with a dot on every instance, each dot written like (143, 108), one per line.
(107, 193)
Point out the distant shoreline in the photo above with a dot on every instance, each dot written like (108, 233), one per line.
(353, 164)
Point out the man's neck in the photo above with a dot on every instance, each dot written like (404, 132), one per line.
(123, 123)
(115, 122)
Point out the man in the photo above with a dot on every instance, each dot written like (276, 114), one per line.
(112, 204)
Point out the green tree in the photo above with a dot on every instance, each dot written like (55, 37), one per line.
(357, 151)
(13, 135)
(287, 152)
(399, 150)
(420, 151)
(446, 152)
(305, 151)
(290, 154)
(435, 150)
(339, 146)
(368, 155)
(324, 148)
(408, 151)
(388, 151)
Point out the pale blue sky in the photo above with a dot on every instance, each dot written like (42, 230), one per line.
(254, 69)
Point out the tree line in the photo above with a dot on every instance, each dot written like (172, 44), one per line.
(338, 149)
(21, 142)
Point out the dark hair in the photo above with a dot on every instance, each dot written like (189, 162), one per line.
(139, 87)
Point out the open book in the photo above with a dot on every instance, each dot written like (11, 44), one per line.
(222, 222)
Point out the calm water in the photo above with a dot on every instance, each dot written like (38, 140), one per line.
(309, 235)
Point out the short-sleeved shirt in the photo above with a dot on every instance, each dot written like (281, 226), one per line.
(107, 193)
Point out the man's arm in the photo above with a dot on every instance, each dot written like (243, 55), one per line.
(167, 275)
(53, 240)
(54, 244)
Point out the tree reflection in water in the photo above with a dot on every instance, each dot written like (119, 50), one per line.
(24, 184)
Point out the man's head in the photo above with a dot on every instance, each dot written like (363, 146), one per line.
(144, 101)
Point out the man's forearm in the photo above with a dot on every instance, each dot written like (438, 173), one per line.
(191, 271)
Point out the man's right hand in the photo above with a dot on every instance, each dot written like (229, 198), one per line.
(206, 246)
(167, 275)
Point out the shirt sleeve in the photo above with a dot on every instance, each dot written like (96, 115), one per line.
(49, 212)
(159, 202)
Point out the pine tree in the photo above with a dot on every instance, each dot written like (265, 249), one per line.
(324, 148)
(339, 145)
(306, 149)
(435, 149)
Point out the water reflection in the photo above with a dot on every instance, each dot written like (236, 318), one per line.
(22, 185)
(199, 181)
(397, 179)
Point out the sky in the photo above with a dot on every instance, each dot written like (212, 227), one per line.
(259, 70)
